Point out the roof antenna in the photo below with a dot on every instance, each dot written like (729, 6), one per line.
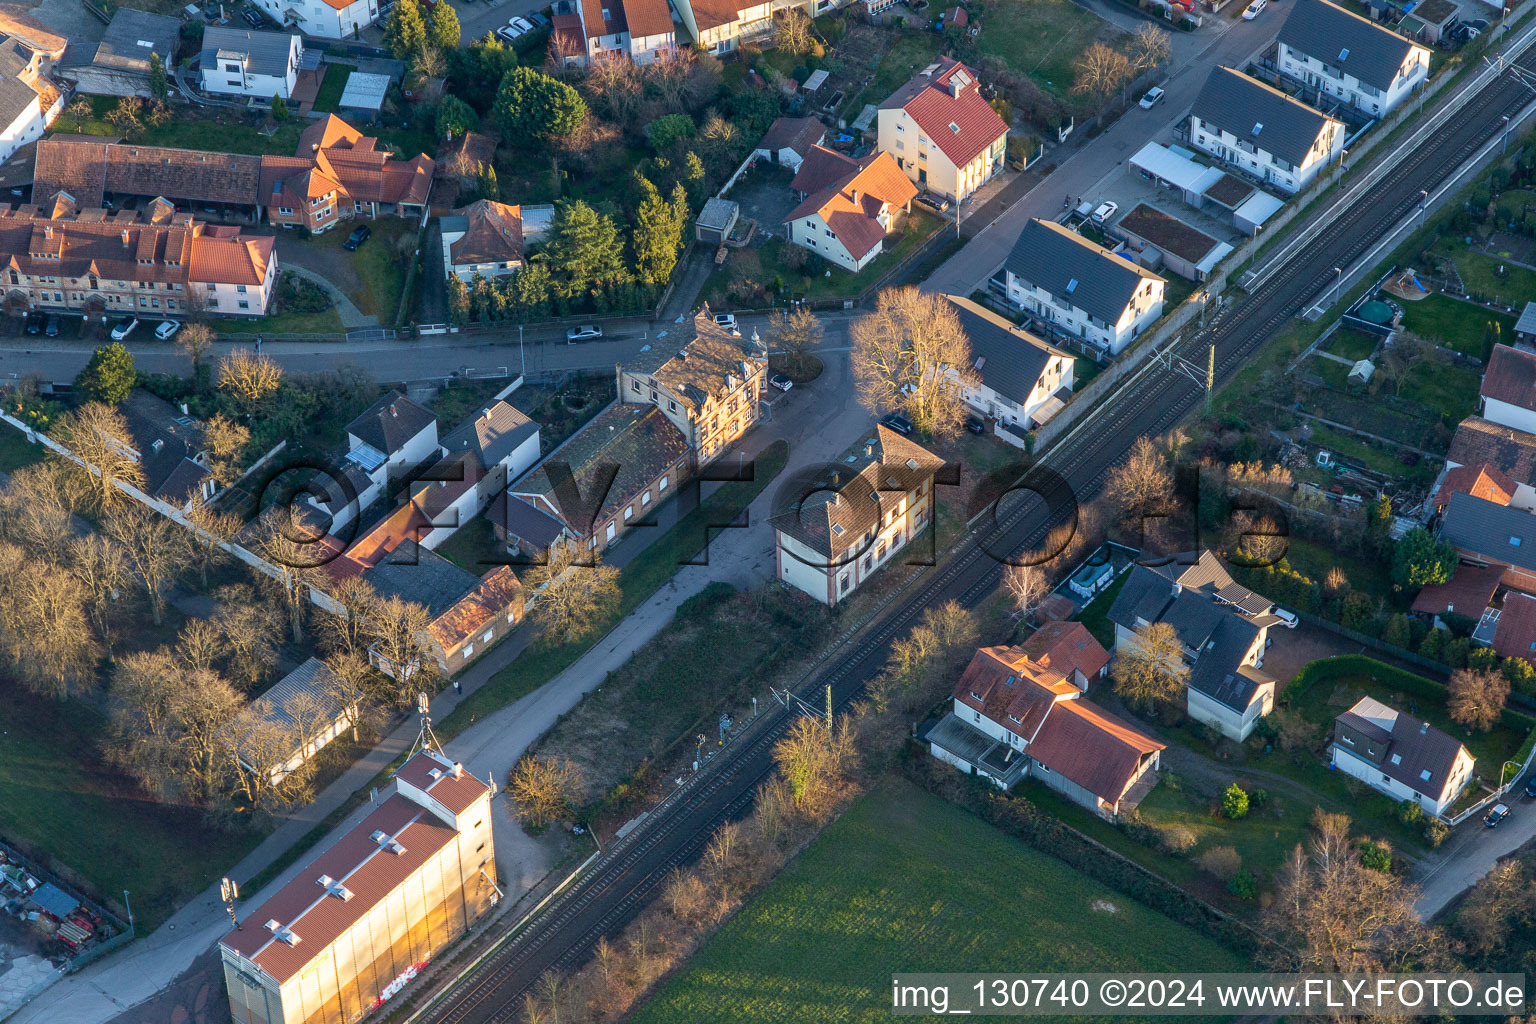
(425, 740)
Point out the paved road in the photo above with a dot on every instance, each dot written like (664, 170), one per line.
(618, 885)
(1471, 852)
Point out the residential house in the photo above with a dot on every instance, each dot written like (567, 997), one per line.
(847, 206)
(864, 511)
(394, 432)
(459, 162)
(1482, 481)
(1505, 453)
(1164, 240)
(361, 918)
(119, 65)
(1223, 627)
(29, 100)
(1020, 712)
(721, 26)
(1080, 287)
(944, 135)
(484, 238)
(1021, 381)
(1509, 388)
(1485, 532)
(1260, 130)
(1399, 755)
(1350, 58)
(588, 30)
(242, 62)
(501, 441)
(1525, 327)
(307, 704)
(327, 19)
(167, 444)
(709, 388)
(57, 257)
(603, 481)
(96, 172)
(1468, 593)
(1515, 628)
(789, 140)
(339, 173)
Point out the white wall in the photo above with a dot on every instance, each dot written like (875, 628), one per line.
(1333, 81)
(813, 235)
(318, 18)
(1260, 162)
(1509, 415)
(28, 127)
(1351, 764)
(1111, 337)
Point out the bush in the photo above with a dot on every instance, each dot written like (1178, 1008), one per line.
(1177, 839)
(1375, 856)
(1244, 886)
(296, 294)
(1234, 802)
(1409, 812)
(1258, 798)
(1436, 832)
(1222, 861)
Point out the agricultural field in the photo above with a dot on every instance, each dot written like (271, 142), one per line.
(905, 881)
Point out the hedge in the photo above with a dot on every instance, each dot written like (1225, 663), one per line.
(1345, 665)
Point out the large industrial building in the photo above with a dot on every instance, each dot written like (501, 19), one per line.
(366, 915)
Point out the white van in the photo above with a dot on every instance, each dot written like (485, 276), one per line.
(1287, 619)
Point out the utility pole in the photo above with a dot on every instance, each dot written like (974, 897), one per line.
(520, 354)
(829, 709)
(230, 892)
(1423, 206)
(1338, 281)
(1210, 377)
(131, 932)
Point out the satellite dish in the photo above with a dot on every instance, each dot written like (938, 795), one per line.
(421, 704)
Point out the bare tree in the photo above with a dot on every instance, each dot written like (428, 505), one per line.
(1099, 71)
(1142, 485)
(256, 749)
(78, 111)
(251, 630)
(800, 332)
(575, 599)
(293, 554)
(249, 378)
(156, 549)
(226, 441)
(815, 761)
(211, 531)
(200, 644)
(38, 506)
(1477, 697)
(430, 63)
(98, 435)
(795, 32)
(1503, 899)
(47, 636)
(166, 724)
(352, 685)
(400, 642)
(911, 354)
(1149, 666)
(349, 631)
(194, 340)
(101, 566)
(1027, 587)
(1150, 48)
(542, 788)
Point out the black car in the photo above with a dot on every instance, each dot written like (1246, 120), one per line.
(52, 327)
(1530, 786)
(358, 236)
(976, 425)
(898, 423)
(35, 323)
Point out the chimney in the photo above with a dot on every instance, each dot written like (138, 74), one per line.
(1178, 588)
(458, 769)
(393, 411)
(1423, 728)
(869, 449)
(854, 194)
(47, 230)
(125, 237)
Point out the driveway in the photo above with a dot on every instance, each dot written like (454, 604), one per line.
(1470, 853)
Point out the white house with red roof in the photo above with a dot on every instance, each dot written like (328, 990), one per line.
(586, 30)
(720, 26)
(944, 135)
(847, 206)
(328, 19)
(1020, 712)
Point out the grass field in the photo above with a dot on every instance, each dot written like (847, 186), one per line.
(1451, 391)
(907, 882)
(1455, 324)
(1480, 275)
(334, 84)
(16, 451)
(1041, 38)
(1096, 616)
(188, 131)
(909, 53)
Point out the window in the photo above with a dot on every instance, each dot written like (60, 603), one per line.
(629, 512)
(671, 405)
(240, 288)
(1424, 774)
(469, 649)
(661, 485)
(244, 304)
(645, 499)
(1397, 758)
(634, 386)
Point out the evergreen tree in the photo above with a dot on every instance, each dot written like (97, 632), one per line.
(1421, 561)
(658, 235)
(109, 376)
(406, 33)
(486, 184)
(279, 108)
(532, 287)
(693, 175)
(1399, 632)
(533, 107)
(455, 117)
(443, 31)
(159, 87)
(588, 248)
(458, 299)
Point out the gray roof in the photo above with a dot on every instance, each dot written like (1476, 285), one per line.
(494, 432)
(1219, 672)
(1076, 270)
(1008, 358)
(1233, 690)
(521, 519)
(364, 91)
(265, 53)
(718, 213)
(390, 422)
(1416, 745)
(1527, 322)
(414, 573)
(16, 95)
(132, 36)
(1493, 532)
(1238, 104)
(1342, 39)
(168, 443)
(313, 679)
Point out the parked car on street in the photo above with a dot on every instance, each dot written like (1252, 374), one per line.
(1104, 211)
(781, 382)
(1530, 786)
(898, 423)
(359, 235)
(53, 326)
(1498, 814)
(1152, 97)
(585, 332)
(1254, 9)
(167, 328)
(124, 328)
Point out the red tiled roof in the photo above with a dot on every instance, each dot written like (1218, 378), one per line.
(647, 18)
(1467, 592)
(499, 590)
(602, 18)
(17, 22)
(948, 107)
(1511, 377)
(456, 792)
(1479, 441)
(494, 233)
(998, 684)
(1092, 748)
(799, 134)
(1515, 636)
(1066, 647)
(708, 14)
(567, 36)
(849, 195)
(231, 259)
(1482, 481)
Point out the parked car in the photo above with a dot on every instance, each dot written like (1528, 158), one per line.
(936, 203)
(506, 35)
(539, 19)
(167, 328)
(1287, 618)
(1530, 786)
(898, 423)
(1253, 10)
(1152, 97)
(976, 425)
(124, 328)
(726, 320)
(252, 17)
(35, 323)
(359, 235)
(585, 332)
(1498, 814)
(1103, 212)
(781, 382)
(53, 326)
(519, 27)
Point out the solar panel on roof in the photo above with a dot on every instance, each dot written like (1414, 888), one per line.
(1072, 286)
(1258, 128)
(1344, 54)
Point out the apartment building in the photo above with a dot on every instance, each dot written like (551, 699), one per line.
(243, 62)
(847, 207)
(1260, 130)
(327, 19)
(943, 134)
(1350, 58)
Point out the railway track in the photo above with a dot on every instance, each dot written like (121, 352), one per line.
(675, 834)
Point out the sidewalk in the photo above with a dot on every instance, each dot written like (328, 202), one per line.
(819, 420)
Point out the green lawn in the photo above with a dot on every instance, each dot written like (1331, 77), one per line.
(1480, 274)
(1313, 560)
(473, 547)
(1352, 345)
(335, 83)
(910, 51)
(907, 882)
(1096, 616)
(62, 801)
(1263, 839)
(1041, 38)
(186, 130)
(1456, 324)
(1451, 391)
(817, 279)
(1353, 449)
(16, 451)
(638, 581)
(279, 324)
